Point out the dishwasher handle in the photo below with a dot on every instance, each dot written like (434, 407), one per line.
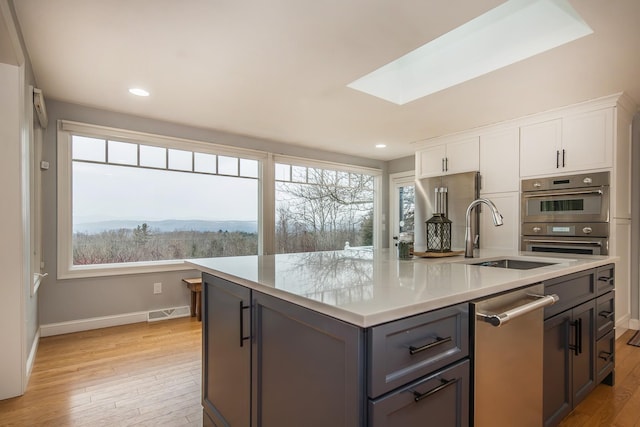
(504, 318)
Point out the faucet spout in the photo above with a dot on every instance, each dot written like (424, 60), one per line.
(468, 239)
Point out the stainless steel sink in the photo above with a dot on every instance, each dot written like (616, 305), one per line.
(516, 264)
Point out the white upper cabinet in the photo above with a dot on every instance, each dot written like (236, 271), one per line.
(587, 140)
(540, 148)
(460, 155)
(430, 161)
(499, 161)
(573, 143)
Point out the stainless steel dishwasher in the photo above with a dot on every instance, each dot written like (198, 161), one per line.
(508, 343)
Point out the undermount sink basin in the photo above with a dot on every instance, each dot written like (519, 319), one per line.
(516, 264)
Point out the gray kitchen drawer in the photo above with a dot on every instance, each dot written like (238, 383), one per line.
(407, 349)
(572, 289)
(605, 278)
(605, 314)
(441, 399)
(605, 354)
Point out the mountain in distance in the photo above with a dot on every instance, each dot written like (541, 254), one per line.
(167, 225)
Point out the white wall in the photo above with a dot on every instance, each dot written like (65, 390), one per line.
(11, 292)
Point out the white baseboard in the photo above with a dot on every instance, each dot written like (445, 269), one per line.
(634, 324)
(92, 323)
(32, 354)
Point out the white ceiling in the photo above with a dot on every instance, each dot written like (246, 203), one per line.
(278, 69)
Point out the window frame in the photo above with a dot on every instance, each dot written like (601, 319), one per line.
(266, 194)
(341, 167)
(66, 130)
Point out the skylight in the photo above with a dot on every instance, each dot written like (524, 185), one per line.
(511, 32)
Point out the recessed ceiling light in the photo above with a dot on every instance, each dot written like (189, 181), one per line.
(381, 145)
(138, 92)
(511, 32)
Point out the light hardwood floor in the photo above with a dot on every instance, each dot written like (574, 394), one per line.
(144, 374)
(148, 374)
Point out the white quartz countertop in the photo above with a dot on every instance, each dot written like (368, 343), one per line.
(367, 287)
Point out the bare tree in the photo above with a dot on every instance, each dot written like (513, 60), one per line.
(328, 209)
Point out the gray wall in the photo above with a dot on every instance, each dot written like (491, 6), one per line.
(403, 164)
(75, 299)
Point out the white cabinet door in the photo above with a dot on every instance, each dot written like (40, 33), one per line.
(506, 236)
(587, 140)
(463, 156)
(453, 157)
(540, 148)
(430, 161)
(499, 161)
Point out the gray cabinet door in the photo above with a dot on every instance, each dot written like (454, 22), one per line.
(226, 388)
(307, 368)
(557, 369)
(569, 361)
(583, 370)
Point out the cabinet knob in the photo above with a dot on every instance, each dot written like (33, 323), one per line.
(587, 230)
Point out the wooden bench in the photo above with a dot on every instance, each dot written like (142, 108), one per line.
(195, 286)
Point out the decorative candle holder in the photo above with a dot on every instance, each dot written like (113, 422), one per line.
(438, 233)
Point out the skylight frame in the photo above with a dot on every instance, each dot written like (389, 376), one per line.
(514, 31)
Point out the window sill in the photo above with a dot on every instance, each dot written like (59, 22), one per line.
(78, 272)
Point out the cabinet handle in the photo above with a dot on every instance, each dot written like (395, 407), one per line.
(606, 314)
(443, 169)
(563, 157)
(575, 347)
(242, 337)
(609, 280)
(446, 164)
(444, 384)
(557, 159)
(579, 332)
(413, 350)
(605, 355)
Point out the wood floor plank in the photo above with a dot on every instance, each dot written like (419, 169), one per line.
(138, 374)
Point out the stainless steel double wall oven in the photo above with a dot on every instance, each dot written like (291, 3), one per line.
(566, 214)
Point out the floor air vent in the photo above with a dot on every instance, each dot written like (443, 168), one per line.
(168, 313)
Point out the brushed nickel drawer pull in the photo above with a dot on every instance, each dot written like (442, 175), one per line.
(413, 350)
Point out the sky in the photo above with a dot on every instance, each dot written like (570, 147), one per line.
(148, 194)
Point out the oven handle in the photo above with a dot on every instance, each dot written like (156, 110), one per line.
(567, 242)
(561, 193)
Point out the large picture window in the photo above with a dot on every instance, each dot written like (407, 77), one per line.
(147, 205)
(131, 202)
(319, 209)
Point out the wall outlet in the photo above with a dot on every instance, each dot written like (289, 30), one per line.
(157, 288)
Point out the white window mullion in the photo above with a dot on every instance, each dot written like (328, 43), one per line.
(267, 220)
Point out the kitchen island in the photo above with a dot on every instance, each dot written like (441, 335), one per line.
(352, 337)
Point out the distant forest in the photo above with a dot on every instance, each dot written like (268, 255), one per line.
(146, 244)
